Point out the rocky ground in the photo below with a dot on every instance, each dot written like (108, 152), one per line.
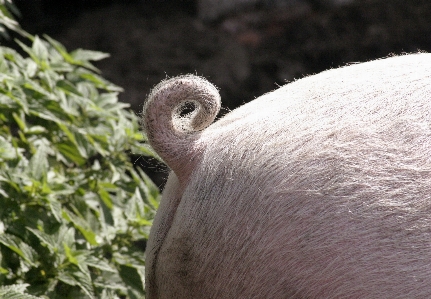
(246, 54)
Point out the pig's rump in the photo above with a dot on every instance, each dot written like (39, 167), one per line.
(319, 189)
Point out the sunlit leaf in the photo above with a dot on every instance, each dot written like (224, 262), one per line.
(72, 259)
(70, 152)
(68, 87)
(39, 49)
(18, 246)
(7, 151)
(132, 277)
(88, 55)
(104, 195)
(46, 240)
(39, 162)
(99, 264)
(72, 205)
(77, 278)
(82, 226)
(16, 291)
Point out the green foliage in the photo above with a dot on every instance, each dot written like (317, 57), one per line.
(72, 207)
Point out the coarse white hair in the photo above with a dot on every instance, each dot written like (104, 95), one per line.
(319, 189)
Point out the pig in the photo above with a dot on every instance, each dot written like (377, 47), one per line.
(318, 189)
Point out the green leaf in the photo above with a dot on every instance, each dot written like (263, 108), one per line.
(108, 294)
(99, 264)
(68, 87)
(55, 208)
(19, 121)
(104, 195)
(6, 6)
(7, 151)
(99, 82)
(3, 271)
(71, 152)
(60, 48)
(77, 278)
(132, 278)
(18, 246)
(71, 203)
(66, 235)
(81, 225)
(84, 143)
(29, 51)
(88, 55)
(16, 291)
(47, 240)
(38, 91)
(12, 25)
(39, 162)
(19, 288)
(152, 195)
(31, 68)
(72, 259)
(36, 130)
(39, 49)
(65, 129)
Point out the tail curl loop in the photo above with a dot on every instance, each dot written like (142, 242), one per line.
(174, 113)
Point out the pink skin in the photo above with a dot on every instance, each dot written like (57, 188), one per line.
(319, 189)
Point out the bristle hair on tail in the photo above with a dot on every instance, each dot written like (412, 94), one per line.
(175, 112)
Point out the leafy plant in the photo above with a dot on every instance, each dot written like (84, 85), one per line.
(72, 206)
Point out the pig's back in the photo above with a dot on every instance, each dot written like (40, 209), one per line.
(320, 189)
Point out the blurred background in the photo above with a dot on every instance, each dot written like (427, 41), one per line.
(245, 47)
